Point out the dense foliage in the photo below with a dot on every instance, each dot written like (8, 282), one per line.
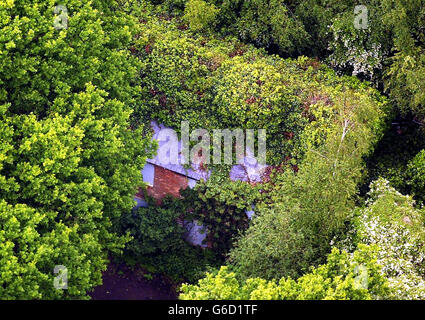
(80, 83)
(69, 165)
(193, 78)
(416, 176)
(158, 231)
(391, 222)
(157, 242)
(387, 48)
(306, 209)
(221, 205)
(344, 277)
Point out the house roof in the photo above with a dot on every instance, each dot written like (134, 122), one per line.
(194, 172)
(248, 169)
(189, 172)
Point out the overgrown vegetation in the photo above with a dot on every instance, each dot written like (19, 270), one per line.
(69, 165)
(304, 210)
(343, 277)
(157, 241)
(338, 214)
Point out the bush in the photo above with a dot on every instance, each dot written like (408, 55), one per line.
(343, 277)
(359, 52)
(292, 230)
(269, 24)
(393, 157)
(394, 60)
(391, 222)
(220, 205)
(325, 29)
(182, 263)
(157, 231)
(416, 176)
(192, 78)
(153, 229)
(200, 15)
(157, 242)
(69, 165)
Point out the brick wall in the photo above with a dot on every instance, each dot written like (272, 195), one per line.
(165, 182)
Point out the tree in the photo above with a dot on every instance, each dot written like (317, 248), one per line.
(391, 222)
(303, 211)
(70, 163)
(415, 176)
(158, 243)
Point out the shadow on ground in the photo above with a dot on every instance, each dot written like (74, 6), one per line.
(123, 283)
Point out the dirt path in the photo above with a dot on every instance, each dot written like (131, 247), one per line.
(122, 283)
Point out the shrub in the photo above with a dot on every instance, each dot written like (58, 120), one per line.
(157, 231)
(393, 59)
(270, 24)
(157, 242)
(52, 208)
(393, 157)
(220, 205)
(293, 229)
(69, 165)
(325, 29)
(343, 277)
(192, 78)
(416, 176)
(182, 263)
(360, 52)
(153, 229)
(303, 211)
(391, 222)
(200, 15)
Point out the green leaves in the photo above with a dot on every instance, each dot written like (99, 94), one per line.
(220, 205)
(415, 175)
(69, 162)
(300, 213)
(222, 83)
(338, 279)
(392, 223)
(200, 15)
(157, 241)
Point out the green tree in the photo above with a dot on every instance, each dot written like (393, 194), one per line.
(268, 24)
(303, 211)
(391, 222)
(158, 243)
(70, 162)
(220, 205)
(416, 176)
